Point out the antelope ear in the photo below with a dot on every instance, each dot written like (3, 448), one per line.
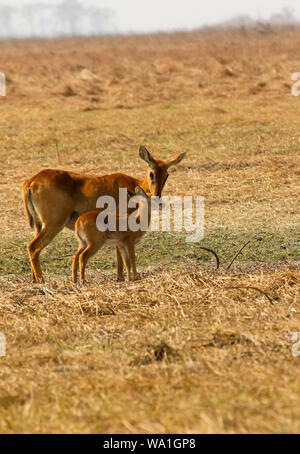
(139, 191)
(175, 159)
(130, 194)
(146, 156)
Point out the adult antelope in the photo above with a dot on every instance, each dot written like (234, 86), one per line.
(91, 238)
(54, 199)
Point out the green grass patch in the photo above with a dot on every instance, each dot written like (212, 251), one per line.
(157, 248)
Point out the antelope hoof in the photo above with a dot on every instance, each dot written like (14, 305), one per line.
(38, 281)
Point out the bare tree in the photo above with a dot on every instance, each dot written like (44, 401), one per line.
(70, 17)
(6, 20)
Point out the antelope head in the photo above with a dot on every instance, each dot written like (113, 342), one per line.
(157, 174)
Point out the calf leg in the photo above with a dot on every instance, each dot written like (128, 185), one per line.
(75, 262)
(120, 275)
(88, 252)
(131, 253)
(125, 257)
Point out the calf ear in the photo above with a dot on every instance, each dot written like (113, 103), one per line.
(175, 159)
(130, 194)
(146, 156)
(140, 191)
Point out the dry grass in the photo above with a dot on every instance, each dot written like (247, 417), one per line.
(94, 360)
(118, 72)
(186, 349)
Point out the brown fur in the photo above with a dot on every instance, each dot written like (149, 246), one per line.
(90, 239)
(54, 199)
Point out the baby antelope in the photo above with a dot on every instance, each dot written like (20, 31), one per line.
(92, 234)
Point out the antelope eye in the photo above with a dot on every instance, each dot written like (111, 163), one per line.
(151, 175)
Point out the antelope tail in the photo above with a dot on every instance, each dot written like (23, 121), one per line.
(27, 202)
(29, 209)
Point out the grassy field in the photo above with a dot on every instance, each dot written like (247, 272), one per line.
(187, 348)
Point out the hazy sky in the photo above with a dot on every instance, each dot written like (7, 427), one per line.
(165, 14)
(148, 15)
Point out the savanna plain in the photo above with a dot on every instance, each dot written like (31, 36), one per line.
(188, 348)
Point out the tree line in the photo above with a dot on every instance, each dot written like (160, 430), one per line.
(68, 18)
